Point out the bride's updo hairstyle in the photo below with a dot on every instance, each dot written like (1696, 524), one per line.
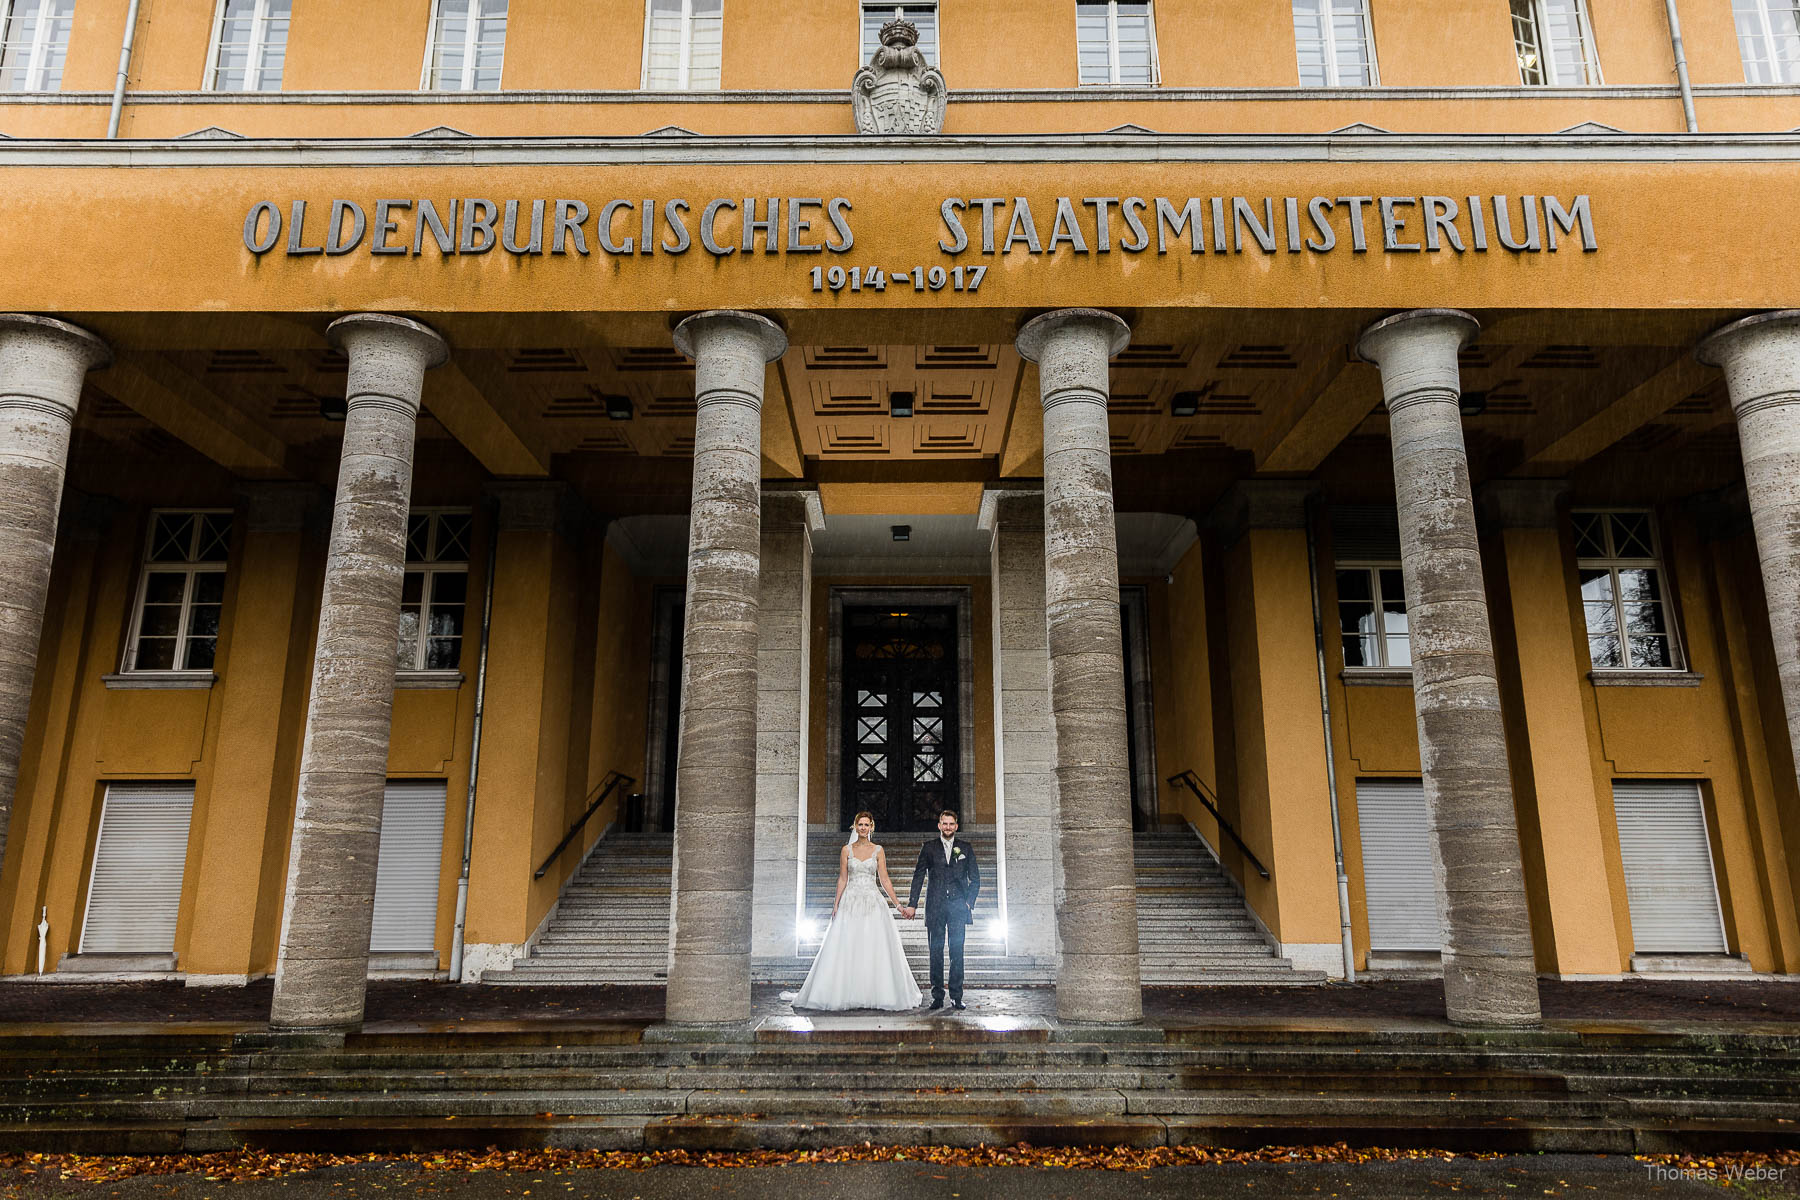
(859, 817)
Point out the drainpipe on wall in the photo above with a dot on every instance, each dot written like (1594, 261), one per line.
(1681, 70)
(1331, 788)
(118, 100)
(462, 877)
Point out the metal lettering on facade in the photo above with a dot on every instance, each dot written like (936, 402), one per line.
(986, 225)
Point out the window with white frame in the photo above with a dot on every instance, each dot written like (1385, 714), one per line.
(1115, 42)
(1629, 626)
(1768, 33)
(250, 45)
(1554, 43)
(34, 41)
(1334, 43)
(923, 16)
(468, 46)
(1371, 591)
(1372, 615)
(181, 592)
(435, 592)
(682, 40)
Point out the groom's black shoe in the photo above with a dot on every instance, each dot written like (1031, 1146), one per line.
(958, 1005)
(937, 1002)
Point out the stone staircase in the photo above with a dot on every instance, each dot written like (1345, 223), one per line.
(616, 1086)
(611, 924)
(1193, 927)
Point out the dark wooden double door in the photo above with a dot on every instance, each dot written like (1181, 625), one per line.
(901, 760)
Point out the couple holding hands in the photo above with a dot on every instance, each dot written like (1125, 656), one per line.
(861, 963)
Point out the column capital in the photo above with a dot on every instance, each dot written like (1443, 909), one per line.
(1010, 508)
(359, 330)
(1036, 333)
(1521, 503)
(89, 347)
(389, 356)
(749, 328)
(1416, 351)
(1760, 355)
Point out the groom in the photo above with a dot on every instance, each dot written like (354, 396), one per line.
(949, 863)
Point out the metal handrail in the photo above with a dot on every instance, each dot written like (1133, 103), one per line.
(613, 779)
(1193, 784)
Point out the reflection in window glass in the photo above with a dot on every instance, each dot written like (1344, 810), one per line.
(1622, 592)
(1372, 616)
(435, 593)
(181, 593)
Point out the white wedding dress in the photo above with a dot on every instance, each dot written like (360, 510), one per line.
(861, 963)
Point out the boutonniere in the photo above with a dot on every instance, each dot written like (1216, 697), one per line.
(957, 853)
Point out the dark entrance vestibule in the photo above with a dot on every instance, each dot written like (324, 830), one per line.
(901, 760)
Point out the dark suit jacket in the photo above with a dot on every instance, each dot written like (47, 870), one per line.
(950, 898)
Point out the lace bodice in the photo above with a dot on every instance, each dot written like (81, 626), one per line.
(863, 873)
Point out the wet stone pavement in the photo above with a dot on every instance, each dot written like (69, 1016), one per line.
(1686, 1002)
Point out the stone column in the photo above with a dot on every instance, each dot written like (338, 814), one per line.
(783, 719)
(1490, 976)
(42, 365)
(321, 969)
(715, 771)
(1096, 910)
(1024, 739)
(1761, 359)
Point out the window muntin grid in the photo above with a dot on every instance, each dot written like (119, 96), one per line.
(34, 43)
(1768, 33)
(683, 45)
(1115, 43)
(1554, 43)
(1624, 598)
(249, 45)
(924, 16)
(181, 592)
(1334, 43)
(1372, 615)
(468, 46)
(434, 596)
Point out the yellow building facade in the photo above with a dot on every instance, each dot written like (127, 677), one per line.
(542, 192)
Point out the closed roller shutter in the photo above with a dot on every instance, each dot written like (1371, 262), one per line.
(140, 856)
(1668, 867)
(406, 873)
(1398, 886)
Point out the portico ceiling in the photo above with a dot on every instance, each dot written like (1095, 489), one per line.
(1268, 392)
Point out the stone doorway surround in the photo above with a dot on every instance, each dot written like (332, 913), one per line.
(1140, 697)
(666, 622)
(960, 598)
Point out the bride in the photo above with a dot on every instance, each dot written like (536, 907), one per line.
(861, 963)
